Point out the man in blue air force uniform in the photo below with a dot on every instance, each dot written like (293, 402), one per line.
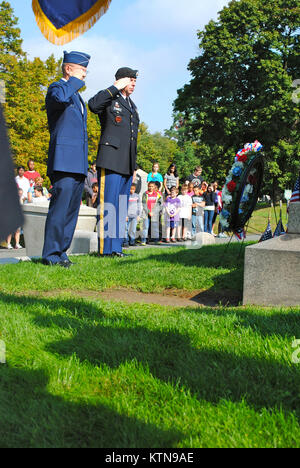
(67, 157)
(116, 160)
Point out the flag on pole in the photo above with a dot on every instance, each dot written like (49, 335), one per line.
(279, 231)
(11, 216)
(61, 21)
(267, 234)
(296, 193)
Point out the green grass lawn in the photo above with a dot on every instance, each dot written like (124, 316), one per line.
(93, 373)
(259, 220)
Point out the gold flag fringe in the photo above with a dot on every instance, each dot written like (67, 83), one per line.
(72, 30)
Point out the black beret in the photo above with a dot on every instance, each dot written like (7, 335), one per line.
(126, 72)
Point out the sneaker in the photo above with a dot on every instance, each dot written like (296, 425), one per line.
(222, 234)
(18, 246)
(9, 246)
(143, 243)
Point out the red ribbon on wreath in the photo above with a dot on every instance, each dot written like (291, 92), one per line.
(231, 186)
(242, 157)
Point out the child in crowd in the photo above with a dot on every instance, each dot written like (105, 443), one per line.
(157, 189)
(17, 240)
(209, 210)
(219, 209)
(190, 189)
(204, 186)
(16, 234)
(31, 174)
(134, 212)
(151, 201)
(94, 198)
(39, 182)
(172, 210)
(197, 212)
(37, 197)
(185, 213)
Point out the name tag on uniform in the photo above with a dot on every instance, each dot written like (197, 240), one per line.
(117, 107)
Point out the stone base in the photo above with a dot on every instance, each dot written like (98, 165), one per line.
(294, 218)
(84, 242)
(202, 238)
(272, 272)
(35, 219)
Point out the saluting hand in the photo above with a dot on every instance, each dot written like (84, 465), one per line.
(122, 83)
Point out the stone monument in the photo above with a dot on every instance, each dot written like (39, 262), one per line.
(272, 267)
(85, 237)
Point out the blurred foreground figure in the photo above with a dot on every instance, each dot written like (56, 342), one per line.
(11, 216)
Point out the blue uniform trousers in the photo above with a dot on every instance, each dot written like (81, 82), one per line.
(63, 214)
(113, 197)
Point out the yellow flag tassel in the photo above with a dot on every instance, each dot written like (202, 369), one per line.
(72, 30)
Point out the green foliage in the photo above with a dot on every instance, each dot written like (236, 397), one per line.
(186, 160)
(26, 87)
(26, 83)
(10, 41)
(241, 88)
(154, 147)
(94, 132)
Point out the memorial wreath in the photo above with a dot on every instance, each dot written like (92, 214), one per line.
(241, 189)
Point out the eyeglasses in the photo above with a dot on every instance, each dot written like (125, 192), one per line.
(79, 68)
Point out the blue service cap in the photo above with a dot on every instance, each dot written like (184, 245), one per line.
(80, 58)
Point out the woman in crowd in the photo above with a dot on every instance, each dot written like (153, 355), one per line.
(211, 205)
(155, 176)
(171, 179)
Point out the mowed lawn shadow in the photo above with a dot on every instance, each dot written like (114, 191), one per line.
(283, 323)
(210, 256)
(219, 257)
(209, 374)
(33, 418)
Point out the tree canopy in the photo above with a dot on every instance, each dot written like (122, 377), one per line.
(242, 86)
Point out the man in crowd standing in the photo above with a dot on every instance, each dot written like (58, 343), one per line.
(67, 157)
(31, 174)
(196, 178)
(116, 160)
(22, 182)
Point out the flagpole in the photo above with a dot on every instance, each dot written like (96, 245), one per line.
(280, 210)
(275, 213)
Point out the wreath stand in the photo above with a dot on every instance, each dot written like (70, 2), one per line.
(241, 193)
